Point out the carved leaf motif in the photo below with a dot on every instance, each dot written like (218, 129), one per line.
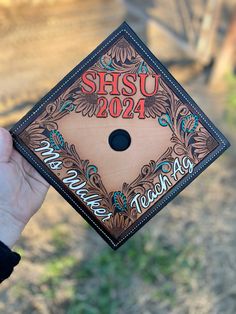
(32, 136)
(179, 149)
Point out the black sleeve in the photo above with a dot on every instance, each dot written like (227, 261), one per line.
(8, 260)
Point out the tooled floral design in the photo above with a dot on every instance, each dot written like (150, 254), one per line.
(135, 65)
(32, 136)
(145, 180)
(52, 113)
(122, 57)
(117, 224)
(187, 137)
(87, 172)
(122, 51)
(56, 139)
(118, 203)
(155, 106)
(182, 123)
(83, 103)
(204, 143)
(86, 104)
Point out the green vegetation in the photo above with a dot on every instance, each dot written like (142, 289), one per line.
(57, 268)
(100, 280)
(60, 237)
(20, 250)
(150, 262)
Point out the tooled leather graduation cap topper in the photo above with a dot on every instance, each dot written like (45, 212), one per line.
(118, 137)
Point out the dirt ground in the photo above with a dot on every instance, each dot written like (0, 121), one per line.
(184, 260)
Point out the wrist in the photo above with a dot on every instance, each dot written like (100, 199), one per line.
(10, 228)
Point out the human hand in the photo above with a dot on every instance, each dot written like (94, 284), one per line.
(22, 191)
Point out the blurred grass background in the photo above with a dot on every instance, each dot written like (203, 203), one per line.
(184, 260)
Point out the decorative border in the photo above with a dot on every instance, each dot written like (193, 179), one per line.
(121, 207)
(125, 31)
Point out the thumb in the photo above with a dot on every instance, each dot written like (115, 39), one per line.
(5, 145)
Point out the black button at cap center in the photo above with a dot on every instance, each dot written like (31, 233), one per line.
(119, 140)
